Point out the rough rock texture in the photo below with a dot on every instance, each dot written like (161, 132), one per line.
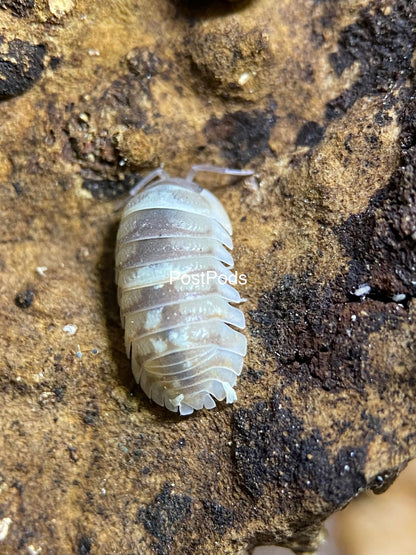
(318, 96)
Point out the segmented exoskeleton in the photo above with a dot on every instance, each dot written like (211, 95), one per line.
(179, 327)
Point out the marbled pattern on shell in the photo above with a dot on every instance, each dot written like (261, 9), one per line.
(181, 338)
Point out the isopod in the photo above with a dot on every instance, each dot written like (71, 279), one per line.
(179, 324)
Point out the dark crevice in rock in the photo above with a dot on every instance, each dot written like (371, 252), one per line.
(383, 45)
(164, 518)
(84, 545)
(315, 334)
(19, 8)
(91, 143)
(242, 136)
(20, 67)
(310, 134)
(221, 517)
(381, 241)
(272, 446)
(109, 189)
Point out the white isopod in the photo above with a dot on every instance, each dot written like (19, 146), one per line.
(174, 305)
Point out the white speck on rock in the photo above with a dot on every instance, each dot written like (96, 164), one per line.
(70, 329)
(4, 528)
(244, 77)
(33, 551)
(41, 270)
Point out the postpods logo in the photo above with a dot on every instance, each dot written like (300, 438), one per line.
(206, 278)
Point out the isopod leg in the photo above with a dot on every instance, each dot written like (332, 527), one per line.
(159, 172)
(215, 169)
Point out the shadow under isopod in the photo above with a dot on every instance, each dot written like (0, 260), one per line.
(108, 290)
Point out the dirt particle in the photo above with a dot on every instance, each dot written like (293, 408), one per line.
(144, 63)
(54, 62)
(18, 188)
(24, 299)
(84, 545)
(91, 414)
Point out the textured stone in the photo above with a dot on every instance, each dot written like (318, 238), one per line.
(19, 8)
(21, 65)
(317, 98)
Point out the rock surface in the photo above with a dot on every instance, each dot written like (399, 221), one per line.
(319, 98)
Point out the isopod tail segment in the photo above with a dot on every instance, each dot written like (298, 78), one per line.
(160, 174)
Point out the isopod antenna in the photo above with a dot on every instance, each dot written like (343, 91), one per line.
(216, 169)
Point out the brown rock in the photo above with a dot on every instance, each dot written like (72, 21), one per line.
(325, 233)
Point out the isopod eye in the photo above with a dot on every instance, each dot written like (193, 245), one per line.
(175, 289)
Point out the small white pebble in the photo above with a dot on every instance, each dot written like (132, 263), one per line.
(399, 297)
(93, 52)
(37, 378)
(33, 551)
(353, 317)
(244, 77)
(60, 7)
(252, 184)
(361, 291)
(46, 397)
(4, 528)
(41, 270)
(70, 329)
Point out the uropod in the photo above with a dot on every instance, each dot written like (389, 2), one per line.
(173, 271)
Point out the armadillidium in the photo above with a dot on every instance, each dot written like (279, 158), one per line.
(179, 327)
